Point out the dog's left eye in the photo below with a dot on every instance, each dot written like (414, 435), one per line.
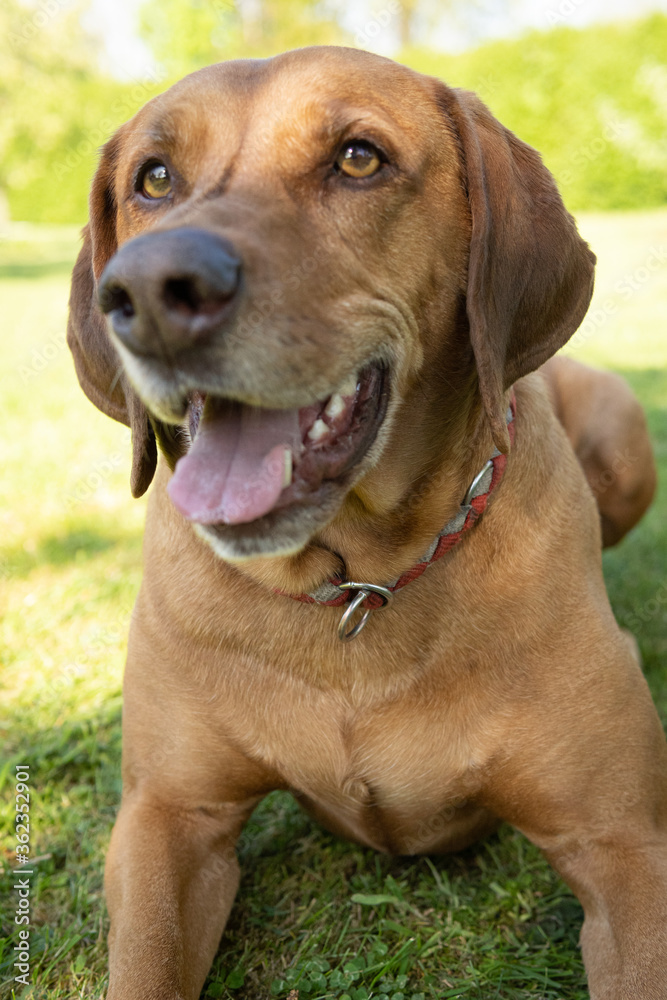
(155, 181)
(358, 159)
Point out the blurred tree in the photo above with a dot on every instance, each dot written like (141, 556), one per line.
(45, 58)
(406, 24)
(187, 34)
(592, 101)
(55, 108)
(420, 19)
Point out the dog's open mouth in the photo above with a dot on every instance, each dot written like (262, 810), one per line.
(246, 461)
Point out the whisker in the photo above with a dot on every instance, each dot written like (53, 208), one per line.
(116, 378)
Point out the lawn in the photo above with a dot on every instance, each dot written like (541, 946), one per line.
(314, 914)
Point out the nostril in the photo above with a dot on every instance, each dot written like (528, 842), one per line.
(181, 295)
(195, 297)
(113, 298)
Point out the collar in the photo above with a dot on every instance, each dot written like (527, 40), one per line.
(371, 596)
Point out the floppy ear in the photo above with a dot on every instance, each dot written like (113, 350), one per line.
(98, 366)
(530, 274)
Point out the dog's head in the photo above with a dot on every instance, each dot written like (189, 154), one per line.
(303, 261)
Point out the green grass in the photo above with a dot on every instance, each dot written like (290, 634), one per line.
(316, 914)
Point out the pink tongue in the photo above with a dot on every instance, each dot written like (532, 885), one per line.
(234, 471)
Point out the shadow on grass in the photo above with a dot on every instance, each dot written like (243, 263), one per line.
(297, 880)
(38, 269)
(81, 750)
(42, 255)
(78, 546)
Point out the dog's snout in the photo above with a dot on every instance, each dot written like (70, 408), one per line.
(164, 291)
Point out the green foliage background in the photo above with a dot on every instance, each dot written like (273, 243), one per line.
(56, 110)
(593, 101)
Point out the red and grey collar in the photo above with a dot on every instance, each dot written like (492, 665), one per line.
(371, 596)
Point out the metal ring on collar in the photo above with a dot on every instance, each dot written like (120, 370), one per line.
(475, 483)
(365, 590)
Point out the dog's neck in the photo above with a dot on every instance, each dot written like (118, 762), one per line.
(389, 519)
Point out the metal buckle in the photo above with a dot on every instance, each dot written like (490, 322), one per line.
(365, 590)
(476, 481)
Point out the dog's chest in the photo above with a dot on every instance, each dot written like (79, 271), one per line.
(395, 776)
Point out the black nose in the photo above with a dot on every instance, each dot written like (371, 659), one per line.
(165, 291)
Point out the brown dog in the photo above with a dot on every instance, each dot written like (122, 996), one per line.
(324, 274)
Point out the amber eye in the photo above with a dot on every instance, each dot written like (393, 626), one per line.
(156, 182)
(358, 159)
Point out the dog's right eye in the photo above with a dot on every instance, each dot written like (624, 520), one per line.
(358, 159)
(155, 181)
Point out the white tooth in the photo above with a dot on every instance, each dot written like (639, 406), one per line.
(318, 431)
(335, 406)
(287, 473)
(349, 386)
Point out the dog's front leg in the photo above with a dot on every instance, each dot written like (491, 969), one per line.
(171, 877)
(622, 886)
(587, 782)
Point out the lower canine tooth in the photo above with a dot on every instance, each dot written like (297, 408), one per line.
(287, 472)
(318, 431)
